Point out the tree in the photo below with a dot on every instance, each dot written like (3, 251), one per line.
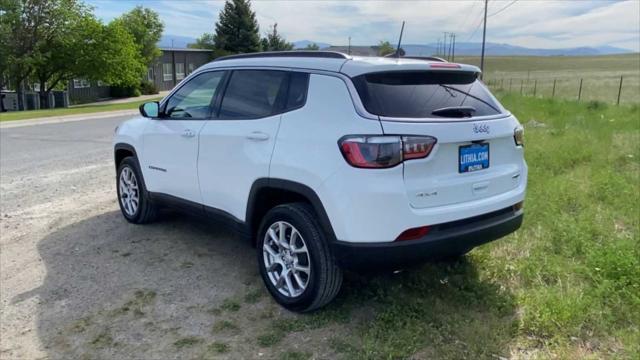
(146, 28)
(206, 41)
(385, 48)
(21, 28)
(312, 46)
(274, 41)
(236, 29)
(54, 41)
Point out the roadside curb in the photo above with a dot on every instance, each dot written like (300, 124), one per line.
(67, 118)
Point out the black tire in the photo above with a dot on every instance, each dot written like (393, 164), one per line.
(146, 211)
(325, 276)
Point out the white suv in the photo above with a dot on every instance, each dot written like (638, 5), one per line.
(327, 162)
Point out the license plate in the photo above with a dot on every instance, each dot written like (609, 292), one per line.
(473, 157)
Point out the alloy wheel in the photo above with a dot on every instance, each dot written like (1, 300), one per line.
(129, 192)
(286, 259)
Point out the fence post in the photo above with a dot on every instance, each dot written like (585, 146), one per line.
(580, 90)
(510, 83)
(535, 87)
(521, 85)
(553, 92)
(619, 91)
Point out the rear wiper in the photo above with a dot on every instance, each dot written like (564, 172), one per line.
(446, 87)
(455, 111)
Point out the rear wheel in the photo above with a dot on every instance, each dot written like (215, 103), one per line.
(134, 201)
(295, 262)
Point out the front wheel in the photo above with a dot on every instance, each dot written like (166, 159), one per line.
(132, 195)
(295, 262)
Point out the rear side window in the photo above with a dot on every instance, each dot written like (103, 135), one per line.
(254, 94)
(418, 94)
(297, 93)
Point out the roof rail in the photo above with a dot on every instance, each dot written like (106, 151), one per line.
(293, 53)
(429, 58)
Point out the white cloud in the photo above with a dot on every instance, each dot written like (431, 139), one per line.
(533, 23)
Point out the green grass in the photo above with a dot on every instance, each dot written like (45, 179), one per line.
(600, 74)
(74, 110)
(187, 342)
(566, 285)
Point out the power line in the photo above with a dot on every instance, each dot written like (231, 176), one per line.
(469, 13)
(477, 27)
(504, 8)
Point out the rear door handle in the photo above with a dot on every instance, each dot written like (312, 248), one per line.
(258, 136)
(188, 133)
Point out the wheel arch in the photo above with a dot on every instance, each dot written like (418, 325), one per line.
(121, 151)
(266, 193)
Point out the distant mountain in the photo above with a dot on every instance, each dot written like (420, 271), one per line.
(175, 41)
(303, 44)
(494, 49)
(462, 48)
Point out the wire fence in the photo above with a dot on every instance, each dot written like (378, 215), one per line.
(616, 90)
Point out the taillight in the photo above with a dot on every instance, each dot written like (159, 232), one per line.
(380, 151)
(518, 135)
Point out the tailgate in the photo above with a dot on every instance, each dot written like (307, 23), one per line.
(437, 180)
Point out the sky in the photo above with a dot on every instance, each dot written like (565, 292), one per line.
(530, 23)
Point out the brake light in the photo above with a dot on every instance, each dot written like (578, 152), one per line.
(414, 233)
(380, 151)
(444, 66)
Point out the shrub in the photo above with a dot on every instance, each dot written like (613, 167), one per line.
(148, 88)
(124, 91)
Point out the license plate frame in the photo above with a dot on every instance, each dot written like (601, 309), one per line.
(478, 162)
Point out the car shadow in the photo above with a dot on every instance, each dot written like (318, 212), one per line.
(111, 285)
(117, 290)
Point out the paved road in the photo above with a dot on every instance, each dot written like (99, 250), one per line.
(77, 281)
(33, 156)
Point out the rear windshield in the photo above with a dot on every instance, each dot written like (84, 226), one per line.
(418, 94)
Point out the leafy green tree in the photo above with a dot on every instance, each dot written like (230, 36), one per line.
(21, 27)
(54, 41)
(385, 48)
(236, 29)
(146, 28)
(206, 41)
(312, 46)
(274, 41)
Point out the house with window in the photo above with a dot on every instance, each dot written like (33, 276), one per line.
(169, 69)
(175, 64)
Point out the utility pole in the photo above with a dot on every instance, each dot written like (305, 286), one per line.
(444, 45)
(453, 54)
(349, 48)
(484, 35)
(450, 46)
(438, 50)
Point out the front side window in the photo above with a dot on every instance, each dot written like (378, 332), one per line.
(179, 71)
(425, 94)
(193, 100)
(167, 72)
(253, 94)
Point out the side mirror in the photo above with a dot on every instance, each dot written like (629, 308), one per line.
(150, 109)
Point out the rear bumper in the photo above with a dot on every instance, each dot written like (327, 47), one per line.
(444, 240)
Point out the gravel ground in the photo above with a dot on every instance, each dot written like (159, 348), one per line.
(78, 281)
